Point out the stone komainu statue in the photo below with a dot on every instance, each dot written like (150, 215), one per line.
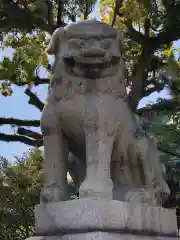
(86, 112)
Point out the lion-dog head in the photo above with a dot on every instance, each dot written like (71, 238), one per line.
(88, 48)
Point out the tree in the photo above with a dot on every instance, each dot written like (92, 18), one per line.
(149, 27)
(20, 186)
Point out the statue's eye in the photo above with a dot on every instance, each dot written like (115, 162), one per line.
(106, 43)
(74, 43)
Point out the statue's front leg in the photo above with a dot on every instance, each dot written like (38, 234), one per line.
(97, 183)
(99, 139)
(55, 157)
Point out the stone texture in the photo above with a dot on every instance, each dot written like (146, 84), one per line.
(87, 109)
(87, 105)
(92, 215)
(111, 236)
(102, 236)
(40, 238)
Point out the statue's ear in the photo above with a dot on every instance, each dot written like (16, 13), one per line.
(53, 44)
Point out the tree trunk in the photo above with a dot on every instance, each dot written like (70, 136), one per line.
(138, 77)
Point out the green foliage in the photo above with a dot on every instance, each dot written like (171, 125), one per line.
(132, 11)
(28, 56)
(143, 15)
(20, 189)
(20, 185)
(79, 8)
(24, 26)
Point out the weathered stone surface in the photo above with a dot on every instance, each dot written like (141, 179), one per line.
(102, 236)
(39, 238)
(87, 105)
(86, 215)
(112, 236)
(46, 238)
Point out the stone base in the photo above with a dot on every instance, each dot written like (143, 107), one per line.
(101, 236)
(103, 219)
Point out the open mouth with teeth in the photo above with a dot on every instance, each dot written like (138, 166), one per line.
(91, 62)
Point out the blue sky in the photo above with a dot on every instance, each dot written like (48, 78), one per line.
(17, 106)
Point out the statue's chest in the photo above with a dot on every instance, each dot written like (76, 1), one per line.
(68, 88)
(78, 107)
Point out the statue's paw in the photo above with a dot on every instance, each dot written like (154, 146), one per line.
(141, 196)
(96, 189)
(166, 190)
(162, 192)
(52, 193)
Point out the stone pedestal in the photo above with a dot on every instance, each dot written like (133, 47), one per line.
(103, 219)
(101, 236)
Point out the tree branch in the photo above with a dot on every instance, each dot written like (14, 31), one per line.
(19, 122)
(166, 105)
(157, 87)
(149, 45)
(36, 81)
(137, 36)
(86, 12)
(165, 37)
(118, 5)
(34, 100)
(11, 21)
(147, 26)
(50, 13)
(149, 91)
(138, 77)
(171, 32)
(29, 133)
(71, 16)
(22, 139)
(60, 12)
(169, 152)
(39, 81)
